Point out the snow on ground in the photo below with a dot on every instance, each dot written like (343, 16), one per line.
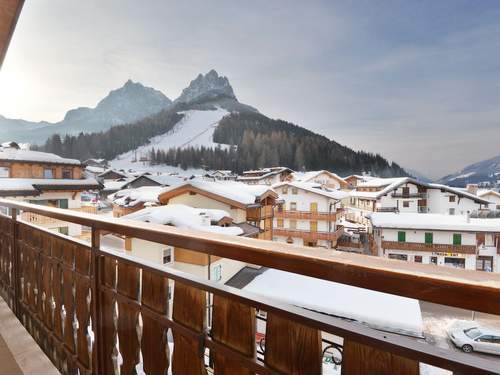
(195, 129)
(375, 309)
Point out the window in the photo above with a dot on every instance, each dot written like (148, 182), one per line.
(63, 230)
(401, 236)
(484, 263)
(192, 193)
(406, 204)
(62, 203)
(293, 224)
(454, 262)
(451, 211)
(295, 190)
(167, 255)
(418, 259)
(280, 207)
(457, 239)
(293, 206)
(314, 226)
(429, 238)
(67, 174)
(284, 190)
(434, 260)
(217, 273)
(313, 207)
(4, 172)
(451, 198)
(398, 256)
(279, 223)
(406, 191)
(48, 173)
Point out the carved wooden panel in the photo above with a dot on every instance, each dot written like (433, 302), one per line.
(188, 310)
(360, 359)
(233, 324)
(292, 348)
(154, 344)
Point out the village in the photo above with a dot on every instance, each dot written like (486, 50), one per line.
(402, 219)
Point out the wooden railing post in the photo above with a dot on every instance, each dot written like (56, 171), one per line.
(15, 263)
(96, 272)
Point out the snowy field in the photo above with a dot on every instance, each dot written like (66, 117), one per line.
(195, 129)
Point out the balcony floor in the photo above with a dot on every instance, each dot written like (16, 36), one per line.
(19, 353)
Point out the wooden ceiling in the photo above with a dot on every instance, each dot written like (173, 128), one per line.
(9, 13)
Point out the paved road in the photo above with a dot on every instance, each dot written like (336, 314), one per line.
(437, 318)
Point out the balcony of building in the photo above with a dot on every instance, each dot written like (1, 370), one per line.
(429, 247)
(308, 215)
(95, 310)
(260, 213)
(309, 235)
(408, 195)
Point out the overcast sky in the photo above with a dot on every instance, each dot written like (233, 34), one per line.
(417, 81)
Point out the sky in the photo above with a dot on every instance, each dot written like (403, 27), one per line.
(416, 81)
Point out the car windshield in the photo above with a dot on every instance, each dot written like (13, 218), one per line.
(473, 332)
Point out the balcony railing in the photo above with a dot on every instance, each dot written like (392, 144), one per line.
(307, 215)
(94, 310)
(259, 213)
(409, 195)
(309, 235)
(35, 218)
(386, 209)
(418, 246)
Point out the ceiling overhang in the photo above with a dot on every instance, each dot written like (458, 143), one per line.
(9, 13)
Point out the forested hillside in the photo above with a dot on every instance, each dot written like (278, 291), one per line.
(113, 142)
(262, 142)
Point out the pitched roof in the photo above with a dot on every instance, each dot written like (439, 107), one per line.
(308, 176)
(315, 188)
(36, 186)
(22, 155)
(433, 221)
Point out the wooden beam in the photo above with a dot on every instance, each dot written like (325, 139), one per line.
(9, 13)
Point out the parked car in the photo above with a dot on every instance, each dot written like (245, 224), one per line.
(469, 336)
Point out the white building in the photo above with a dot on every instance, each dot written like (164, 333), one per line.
(491, 196)
(322, 177)
(404, 194)
(308, 214)
(439, 239)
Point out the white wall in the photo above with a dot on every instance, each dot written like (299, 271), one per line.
(439, 237)
(439, 203)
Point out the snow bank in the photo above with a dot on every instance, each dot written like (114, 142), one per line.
(133, 197)
(378, 310)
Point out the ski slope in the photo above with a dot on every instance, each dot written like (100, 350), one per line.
(195, 129)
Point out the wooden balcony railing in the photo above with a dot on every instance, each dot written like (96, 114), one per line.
(386, 209)
(35, 218)
(409, 195)
(259, 213)
(441, 248)
(309, 235)
(306, 215)
(88, 306)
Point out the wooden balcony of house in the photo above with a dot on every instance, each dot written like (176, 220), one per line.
(439, 248)
(309, 235)
(39, 219)
(420, 195)
(386, 209)
(307, 215)
(97, 311)
(260, 213)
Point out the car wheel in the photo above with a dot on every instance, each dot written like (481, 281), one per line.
(467, 348)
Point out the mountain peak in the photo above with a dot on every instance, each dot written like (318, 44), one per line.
(210, 86)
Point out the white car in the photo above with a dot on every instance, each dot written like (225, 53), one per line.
(469, 337)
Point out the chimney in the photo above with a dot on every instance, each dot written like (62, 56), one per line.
(472, 188)
(467, 217)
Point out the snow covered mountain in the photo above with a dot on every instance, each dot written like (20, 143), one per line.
(129, 103)
(205, 87)
(484, 172)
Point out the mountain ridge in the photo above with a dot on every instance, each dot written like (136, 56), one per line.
(485, 172)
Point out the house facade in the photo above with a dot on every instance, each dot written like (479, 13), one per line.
(443, 240)
(322, 177)
(45, 179)
(407, 195)
(308, 214)
(249, 204)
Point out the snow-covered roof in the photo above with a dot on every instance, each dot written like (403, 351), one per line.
(115, 185)
(433, 222)
(485, 192)
(133, 197)
(38, 185)
(308, 176)
(186, 217)
(378, 310)
(259, 174)
(315, 188)
(163, 179)
(390, 184)
(15, 154)
(232, 190)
